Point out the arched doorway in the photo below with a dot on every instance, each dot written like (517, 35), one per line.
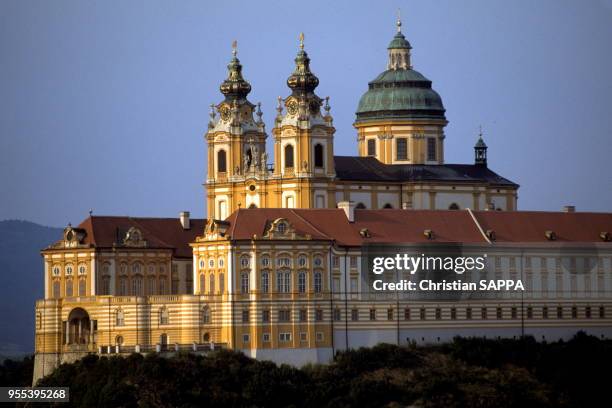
(79, 327)
(163, 342)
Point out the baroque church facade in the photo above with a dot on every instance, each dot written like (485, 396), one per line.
(279, 268)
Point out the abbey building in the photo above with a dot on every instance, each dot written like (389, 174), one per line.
(279, 268)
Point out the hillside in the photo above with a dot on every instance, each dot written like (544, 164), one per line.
(21, 267)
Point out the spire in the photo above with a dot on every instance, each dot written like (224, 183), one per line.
(302, 81)
(480, 150)
(235, 87)
(399, 49)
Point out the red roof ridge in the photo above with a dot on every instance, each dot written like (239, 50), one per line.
(309, 223)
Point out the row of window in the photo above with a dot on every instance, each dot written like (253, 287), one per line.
(69, 270)
(211, 263)
(283, 337)
(283, 282)
(319, 158)
(281, 261)
(484, 313)
(283, 316)
(401, 148)
(211, 283)
(69, 290)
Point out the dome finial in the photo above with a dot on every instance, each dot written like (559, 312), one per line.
(301, 41)
(234, 48)
(399, 21)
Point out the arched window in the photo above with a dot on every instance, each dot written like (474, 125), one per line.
(56, 270)
(318, 155)
(162, 285)
(119, 340)
(211, 284)
(152, 285)
(245, 261)
(122, 286)
(119, 318)
(206, 315)
(387, 206)
(202, 283)
(206, 337)
(360, 206)
(69, 288)
(136, 268)
(105, 285)
(453, 206)
(302, 282)
(56, 289)
(221, 161)
(82, 287)
(82, 269)
(283, 281)
(68, 269)
(317, 282)
(221, 283)
(244, 282)
(137, 286)
(265, 282)
(289, 156)
(163, 342)
(164, 316)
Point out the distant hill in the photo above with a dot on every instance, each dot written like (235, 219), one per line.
(21, 267)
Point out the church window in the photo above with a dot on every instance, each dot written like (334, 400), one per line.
(371, 147)
(244, 282)
(401, 148)
(152, 285)
(162, 285)
(82, 269)
(265, 261)
(202, 263)
(123, 287)
(265, 282)
(211, 284)
(289, 156)
(56, 289)
(202, 283)
(318, 153)
(56, 270)
(221, 161)
(431, 149)
(221, 283)
(245, 261)
(302, 282)
(68, 269)
(106, 285)
(69, 287)
(317, 282)
(82, 283)
(302, 260)
(136, 268)
(137, 286)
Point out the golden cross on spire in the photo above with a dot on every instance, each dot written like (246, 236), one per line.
(234, 47)
(301, 41)
(399, 21)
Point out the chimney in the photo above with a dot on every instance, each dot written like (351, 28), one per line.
(184, 218)
(349, 209)
(569, 208)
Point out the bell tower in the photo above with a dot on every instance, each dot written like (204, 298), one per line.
(303, 142)
(236, 143)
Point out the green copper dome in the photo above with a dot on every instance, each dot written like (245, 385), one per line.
(400, 92)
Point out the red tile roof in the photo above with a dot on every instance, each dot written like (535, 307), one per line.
(167, 233)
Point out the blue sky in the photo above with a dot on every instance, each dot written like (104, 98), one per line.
(105, 103)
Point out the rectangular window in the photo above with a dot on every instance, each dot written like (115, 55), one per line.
(337, 315)
(438, 313)
(354, 285)
(245, 316)
(499, 313)
(336, 261)
(602, 312)
(453, 313)
(559, 312)
(353, 261)
(406, 314)
(303, 315)
(175, 286)
(303, 336)
(266, 337)
(389, 314)
(545, 312)
(483, 313)
(514, 312)
(574, 312)
(422, 314)
(284, 316)
(284, 337)
(319, 336)
(401, 148)
(371, 147)
(372, 314)
(587, 312)
(245, 338)
(354, 315)
(265, 316)
(319, 315)
(431, 149)
(468, 313)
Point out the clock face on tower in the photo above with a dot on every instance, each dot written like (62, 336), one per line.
(292, 107)
(225, 113)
